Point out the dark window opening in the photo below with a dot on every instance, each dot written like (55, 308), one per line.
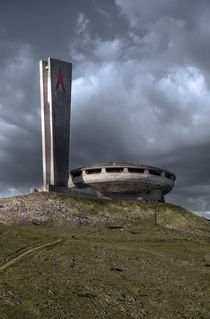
(114, 169)
(136, 170)
(93, 171)
(76, 174)
(154, 172)
(167, 175)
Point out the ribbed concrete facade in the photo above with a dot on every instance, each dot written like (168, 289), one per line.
(55, 85)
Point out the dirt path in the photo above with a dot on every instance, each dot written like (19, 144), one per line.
(13, 261)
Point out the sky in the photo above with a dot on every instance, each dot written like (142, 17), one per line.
(140, 89)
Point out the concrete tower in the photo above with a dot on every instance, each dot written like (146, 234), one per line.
(55, 85)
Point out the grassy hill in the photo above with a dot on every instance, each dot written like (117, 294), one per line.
(77, 257)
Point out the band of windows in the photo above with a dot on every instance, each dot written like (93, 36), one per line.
(121, 169)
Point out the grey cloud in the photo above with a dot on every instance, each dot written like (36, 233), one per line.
(176, 32)
(19, 120)
(141, 11)
(104, 13)
(82, 23)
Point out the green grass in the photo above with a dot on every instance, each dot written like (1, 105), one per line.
(115, 263)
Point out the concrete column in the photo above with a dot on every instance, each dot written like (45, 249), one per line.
(55, 85)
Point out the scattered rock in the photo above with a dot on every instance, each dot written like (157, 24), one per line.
(86, 295)
(72, 263)
(115, 227)
(116, 269)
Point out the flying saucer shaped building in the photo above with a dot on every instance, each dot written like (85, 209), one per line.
(126, 181)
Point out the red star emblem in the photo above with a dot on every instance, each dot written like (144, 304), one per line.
(60, 77)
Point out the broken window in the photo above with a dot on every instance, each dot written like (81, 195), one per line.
(93, 171)
(154, 172)
(167, 175)
(136, 170)
(114, 169)
(76, 174)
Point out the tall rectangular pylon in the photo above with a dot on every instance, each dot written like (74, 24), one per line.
(55, 87)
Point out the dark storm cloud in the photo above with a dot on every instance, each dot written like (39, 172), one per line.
(19, 118)
(181, 27)
(140, 90)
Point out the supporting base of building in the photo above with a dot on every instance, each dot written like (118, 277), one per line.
(51, 188)
(92, 192)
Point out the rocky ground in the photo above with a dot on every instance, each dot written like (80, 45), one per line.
(67, 210)
(40, 208)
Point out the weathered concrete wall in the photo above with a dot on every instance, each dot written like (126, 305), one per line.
(46, 124)
(55, 83)
(121, 181)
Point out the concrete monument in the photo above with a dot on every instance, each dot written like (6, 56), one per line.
(55, 86)
(125, 181)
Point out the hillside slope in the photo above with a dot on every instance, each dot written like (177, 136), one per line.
(77, 257)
